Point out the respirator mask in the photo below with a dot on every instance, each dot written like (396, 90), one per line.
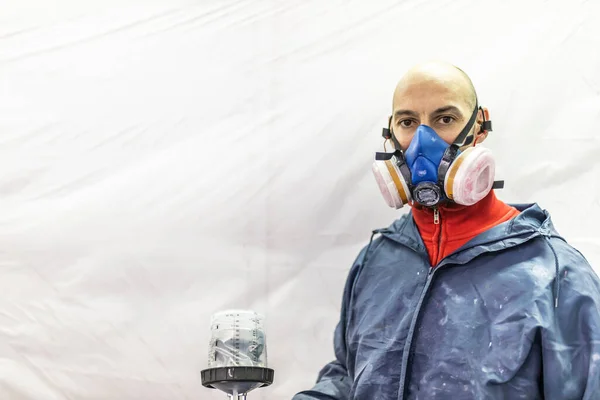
(431, 172)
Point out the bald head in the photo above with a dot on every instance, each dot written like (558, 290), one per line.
(436, 94)
(446, 74)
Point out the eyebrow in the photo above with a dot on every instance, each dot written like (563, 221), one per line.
(400, 113)
(441, 110)
(446, 109)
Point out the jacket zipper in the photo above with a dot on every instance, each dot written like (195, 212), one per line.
(408, 346)
(437, 221)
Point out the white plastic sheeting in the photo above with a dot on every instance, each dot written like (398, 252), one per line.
(163, 160)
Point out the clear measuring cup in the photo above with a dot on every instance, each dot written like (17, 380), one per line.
(237, 340)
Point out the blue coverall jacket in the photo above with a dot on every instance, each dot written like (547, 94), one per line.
(513, 314)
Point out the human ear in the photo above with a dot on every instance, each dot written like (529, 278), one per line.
(482, 115)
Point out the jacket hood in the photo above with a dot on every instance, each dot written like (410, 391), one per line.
(532, 222)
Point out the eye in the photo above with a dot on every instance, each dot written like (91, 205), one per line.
(446, 120)
(406, 123)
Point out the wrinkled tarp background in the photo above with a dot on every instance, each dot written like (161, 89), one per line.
(163, 160)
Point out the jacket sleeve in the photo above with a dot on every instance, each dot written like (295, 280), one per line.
(334, 381)
(571, 346)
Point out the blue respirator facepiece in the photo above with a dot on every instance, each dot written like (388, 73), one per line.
(420, 171)
(423, 157)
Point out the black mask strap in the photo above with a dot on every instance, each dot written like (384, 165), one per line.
(486, 125)
(388, 135)
(461, 139)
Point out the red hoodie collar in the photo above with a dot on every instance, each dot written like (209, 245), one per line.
(458, 224)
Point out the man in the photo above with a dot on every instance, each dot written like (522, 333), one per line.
(465, 297)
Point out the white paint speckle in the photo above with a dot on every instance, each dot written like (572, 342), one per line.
(541, 273)
(419, 273)
(454, 297)
(446, 288)
(595, 357)
(501, 306)
(475, 301)
(490, 345)
(444, 320)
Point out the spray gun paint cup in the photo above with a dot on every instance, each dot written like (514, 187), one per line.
(237, 359)
(237, 340)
